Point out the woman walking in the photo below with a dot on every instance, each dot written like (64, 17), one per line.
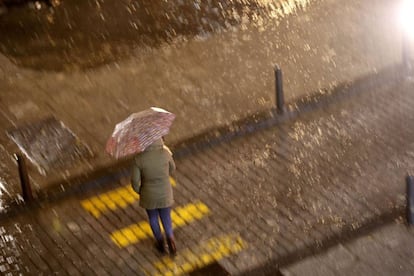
(151, 180)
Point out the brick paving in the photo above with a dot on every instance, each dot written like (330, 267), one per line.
(360, 256)
(288, 190)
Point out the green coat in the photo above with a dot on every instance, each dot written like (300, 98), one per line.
(151, 176)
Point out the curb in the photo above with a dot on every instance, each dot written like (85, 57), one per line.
(299, 107)
(347, 234)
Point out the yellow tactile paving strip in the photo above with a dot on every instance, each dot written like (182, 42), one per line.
(188, 259)
(206, 253)
(112, 200)
(180, 216)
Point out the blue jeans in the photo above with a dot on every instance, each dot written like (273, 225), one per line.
(165, 215)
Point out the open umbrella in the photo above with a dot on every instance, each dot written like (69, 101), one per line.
(138, 131)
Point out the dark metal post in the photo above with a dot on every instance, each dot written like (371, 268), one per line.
(280, 101)
(24, 178)
(410, 200)
(405, 53)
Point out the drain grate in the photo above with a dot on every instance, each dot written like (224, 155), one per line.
(49, 144)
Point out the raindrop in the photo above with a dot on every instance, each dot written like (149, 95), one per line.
(17, 226)
(19, 199)
(38, 5)
(3, 188)
(197, 5)
(73, 226)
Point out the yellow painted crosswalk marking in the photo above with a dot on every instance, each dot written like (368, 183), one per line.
(180, 216)
(206, 253)
(112, 200)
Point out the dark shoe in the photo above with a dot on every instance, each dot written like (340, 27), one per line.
(171, 246)
(160, 246)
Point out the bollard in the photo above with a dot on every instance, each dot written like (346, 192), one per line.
(405, 54)
(410, 200)
(24, 178)
(280, 101)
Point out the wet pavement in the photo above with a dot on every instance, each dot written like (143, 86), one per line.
(356, 257)
(333, 165)
(319, 45)
(251, 204)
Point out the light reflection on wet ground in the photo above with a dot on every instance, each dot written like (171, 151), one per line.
(314, 136)
(7, 179)
(61, 237)
(11, 253)
(81, 34)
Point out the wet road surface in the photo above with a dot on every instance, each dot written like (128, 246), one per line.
(82, 34)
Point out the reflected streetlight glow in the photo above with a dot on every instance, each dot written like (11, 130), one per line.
(407, 18)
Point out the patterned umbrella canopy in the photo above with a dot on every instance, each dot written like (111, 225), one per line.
(138, 131)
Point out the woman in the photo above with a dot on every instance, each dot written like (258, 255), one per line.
(151, 179)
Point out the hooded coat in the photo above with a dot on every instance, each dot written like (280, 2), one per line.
(151, 176)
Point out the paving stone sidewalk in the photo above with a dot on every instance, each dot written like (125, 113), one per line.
(388, 250)
(274, 196)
